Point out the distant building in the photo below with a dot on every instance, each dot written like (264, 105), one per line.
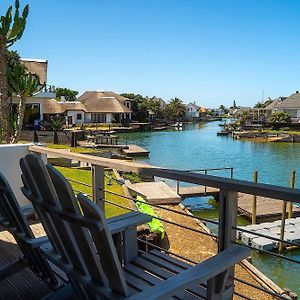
(91, 107)
(289, 105)
(35, 104)
(192, 110)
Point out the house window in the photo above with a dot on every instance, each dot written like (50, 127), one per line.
(98, 118)
(128, 104)
(79, 116)
(291, 112)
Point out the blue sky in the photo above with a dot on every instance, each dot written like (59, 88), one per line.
(211, 52)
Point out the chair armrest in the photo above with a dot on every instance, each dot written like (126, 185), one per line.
(127, 221)
(36, 242)
(200, 273)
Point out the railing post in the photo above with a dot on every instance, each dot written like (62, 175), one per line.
(283, 217)
(222, 286)
(98, 185)
(254, 202)
(292, 185)
(205, 188)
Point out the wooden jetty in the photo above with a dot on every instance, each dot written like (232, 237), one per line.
(154, 192)
(196, 191)
(266, 208)
(134, 150)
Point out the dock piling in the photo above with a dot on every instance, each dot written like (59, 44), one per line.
(254, 204)
(292, 185)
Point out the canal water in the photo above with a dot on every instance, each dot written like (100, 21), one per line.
(197, 146)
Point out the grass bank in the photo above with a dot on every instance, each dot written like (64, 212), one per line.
(85, 176)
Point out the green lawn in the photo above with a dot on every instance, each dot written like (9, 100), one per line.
(85, 177)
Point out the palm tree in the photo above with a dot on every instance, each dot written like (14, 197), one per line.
(56, 125)
(23, 85)
(11, 30)
(280, 117)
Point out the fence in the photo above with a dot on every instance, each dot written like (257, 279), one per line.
(229, 188)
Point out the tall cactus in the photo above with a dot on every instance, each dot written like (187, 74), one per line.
(11, 30)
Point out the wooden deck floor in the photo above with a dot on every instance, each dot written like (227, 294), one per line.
(197, 191)
(25, 284)
(266, 207)
(134, 150)
(155, 192)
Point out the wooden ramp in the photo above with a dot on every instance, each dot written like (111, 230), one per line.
(154, 192)
(134, 150)
(266, 207)
(197, 191)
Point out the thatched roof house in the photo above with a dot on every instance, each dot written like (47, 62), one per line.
(105, 102)
(36, 66)
(91, 107)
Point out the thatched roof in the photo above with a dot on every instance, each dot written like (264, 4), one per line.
(52, 106)
(38, 67)
(104, 102)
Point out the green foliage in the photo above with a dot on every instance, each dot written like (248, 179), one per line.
(22, 83)
(280, 118)
(57, 123)
(175, 109)
(139, 106)
(12, 27)
(70, 95)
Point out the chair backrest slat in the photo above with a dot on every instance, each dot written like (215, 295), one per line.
(69, 204)
(10, 209)
(55, 198)
(39, 189)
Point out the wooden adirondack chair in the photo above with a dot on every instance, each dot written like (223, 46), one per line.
(82, 246)
(13, 220)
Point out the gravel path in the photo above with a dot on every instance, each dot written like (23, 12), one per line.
(198, 247)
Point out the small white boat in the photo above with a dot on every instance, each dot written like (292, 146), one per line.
(177, 124)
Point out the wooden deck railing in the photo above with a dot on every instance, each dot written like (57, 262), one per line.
(229, 188)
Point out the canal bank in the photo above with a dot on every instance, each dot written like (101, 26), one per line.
(198, 147)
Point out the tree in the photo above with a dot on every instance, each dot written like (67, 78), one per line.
(24, 85)
(175, 109)
(70, 95)
(56, 125)
(280, 118)
(11, 30)
(139, 106)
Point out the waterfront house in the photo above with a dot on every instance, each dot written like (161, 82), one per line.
(192, 110)
(91, 107)
(35, 104)
(289, 105)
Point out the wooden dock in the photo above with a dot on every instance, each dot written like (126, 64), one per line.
(266, 208)
(196, 191)
(154, 192)
(134, 150)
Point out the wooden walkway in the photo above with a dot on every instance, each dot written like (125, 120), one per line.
(154, 192)
(196, 191)
(266, 208)
(134, 150)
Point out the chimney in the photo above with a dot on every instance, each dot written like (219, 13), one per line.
(62, 99)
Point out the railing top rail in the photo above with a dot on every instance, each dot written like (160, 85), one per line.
(227, 184)
(208, 169)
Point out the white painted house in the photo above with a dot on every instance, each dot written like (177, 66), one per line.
(192, 110)
(35, 104)
(91, 107)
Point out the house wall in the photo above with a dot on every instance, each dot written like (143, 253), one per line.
(192, 112)
(37, 99)
(74, 113)
(9, 167)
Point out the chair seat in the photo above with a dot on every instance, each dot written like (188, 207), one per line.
(150, 268)
(143, 272)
